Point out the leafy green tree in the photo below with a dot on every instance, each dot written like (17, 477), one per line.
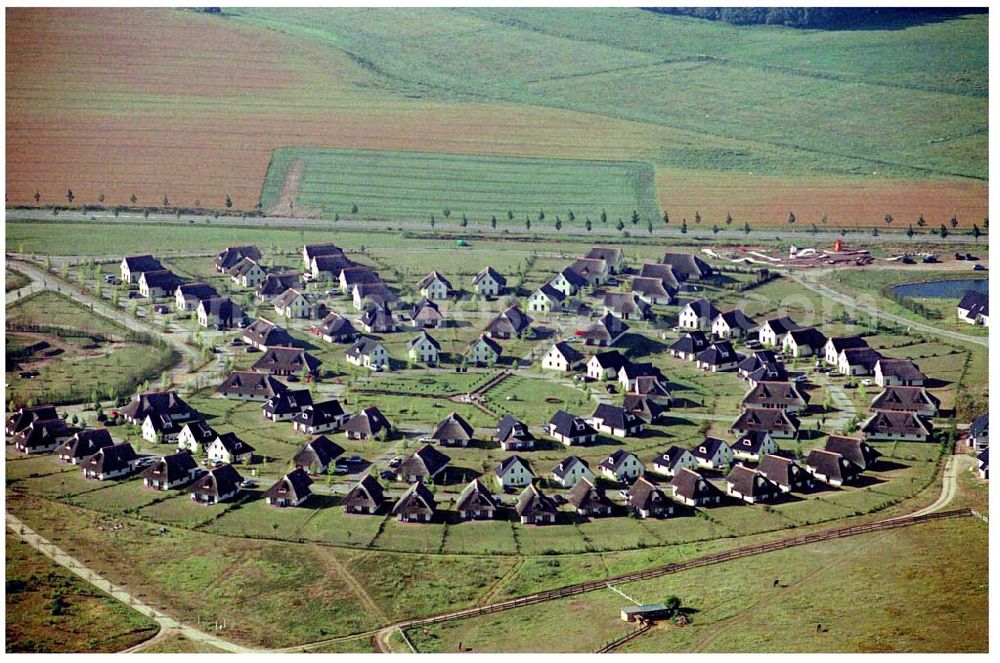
(589, 225)
(887, 218)
(354, 209)
(697, 217)
(976, 232)
(432, 220)
(604, 216)
(649, 227)
(100, 198)
(943, 232)
(621, 225)
(910, 232)
(493, 221)
(635, 217)
(666, 218)
(510, 215)
(465, 221)
(715, 228)
(558, 224)
(874, 231)
(746, 228)
(571, 216)
(791, 218)
(70, 196)
(729, 219)
(133, 198)
(684, 226)
(541, 215)
(954, 222)
(527, 223)
(921, 221)
(166, 201)
(37, 196)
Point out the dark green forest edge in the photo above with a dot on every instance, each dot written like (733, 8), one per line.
(820, 18)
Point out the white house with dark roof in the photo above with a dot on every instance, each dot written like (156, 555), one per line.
(561, 357)
(974, 308)
(605, 365)
(132, 267)
(612, 256)
(483, 351)
(423, 349)
(546, 300)
(622, 466)
(434, 287)
(293, 303)
(837, 344)
(247, 273)
(568, 282)
(570, 429)
(674, 459)
(698, 315)
(753, 446)
(570, 470)
(369, 353)
(732, 324)
(513, 472)
(898, 373)
(488, 283)
(713, 454)
(615, 421)
(187, 296)
(158, 283)
(804, 342)
(772, 332)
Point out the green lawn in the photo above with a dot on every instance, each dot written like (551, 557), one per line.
(14, 280)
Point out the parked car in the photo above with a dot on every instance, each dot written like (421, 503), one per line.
(867, 382)
(248, 483)
(340, 468)
(236, 341)
(612, 389)
(352, 459)
(162, 310)
(395, 462)
(387, 474)
(800, 378)
(979, 267)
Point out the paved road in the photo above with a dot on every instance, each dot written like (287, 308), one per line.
(695, 232)
(165, 622)
(808, 280)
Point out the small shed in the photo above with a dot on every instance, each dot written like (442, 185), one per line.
(649, 612)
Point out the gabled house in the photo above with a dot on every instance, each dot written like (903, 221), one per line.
(513, 322)
(733, 324)
(853, 449)
(330, 268)
(247, 273)
(278, 360)
(570, 470)
(687, 266)
(325, 417)
(42, 436)
(132, 267)
(513, 472)
(194, 436)
(171, 471)
(697, 315)
(615, 421)
(692, 489)
(336, 328)
(351, 276)
(983, 463)
(434, 287)
(229, 448)
(453, 431)
(647, 500)
(424, 464)
(535, 508)
(778, 423)
(275, 284)
(974, 308)
(187, 296)
(665, 273)
(158, 283)
(689, 345)
(858, 361)
(219, 484)
(762, 366)
(251, 386)
(587, 500)
(290, 490)
(161, 428)
(220, 313)
(568, 282)
(837, 344)
(513, 434)
(720, 356)
(83, 444)
(231, 255)
(631, 375)
(831, 468)
(751, 486)
(776, 396)
(368, 424)
(366, 496)
(488, 283)
(979, 432)
(626, 306)
(648, 408)
(651, 386)
(483, 351)
(157, 402)
(476, 502)
(365, 294)
(653, 290)
(612, 256)
(424, 349)
(310, 251)
(594, 270)
(904, 426)
(426, 314)
(24, 416)
(898, 373)
(262, 334)
(754, 445)
(906, 399)
(772, 332)
(287, 404)
(604, 332)
(292, 303)
(369, 353)
(621, 465)
(377, 320)
(570, 429)
(713, 454)
(546, 300)
(112, 462)
(318, 455)
(605, 365)
(673, 459)
(561, 357)
(785, 472)
(803, 342)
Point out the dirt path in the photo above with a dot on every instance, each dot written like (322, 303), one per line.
(949, 483)
(289, 190)
(165, 622)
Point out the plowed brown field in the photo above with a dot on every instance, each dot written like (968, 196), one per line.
(167, 102)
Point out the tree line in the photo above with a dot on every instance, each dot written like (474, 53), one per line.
(821, 18)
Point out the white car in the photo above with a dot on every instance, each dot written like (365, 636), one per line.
(867, 382)
(800, 378)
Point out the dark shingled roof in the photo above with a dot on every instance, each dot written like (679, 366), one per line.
(284, 359)
(369, 421)
(691, 342)
(111, 459)
(903, 369)
(143, 263)
(320, 414)
(583, 495)
(509, 462)
(335, 264)
(690, 485)
(671, 456)
(426, 311)
(511, 427)
(430, 278)
(766, 420)
(782, 324)
(243, 266)
(737, 319)
(708, 448)
(265, 333)
(290, 400)
(566, 464)
(841, 343)
(606, 328)
(613, 360)
(571, 354)
(750, 443)
(702, 308)
(853, 449)
(363, 346)
(864, 357)
(201, 432)
(285, 299)
(251, 384)
(360, 274)
(609, 254)
(897, 423)
(417, 500)
(532, 501)
(85, 443)
(616, 459)
(570, 425)
(719, 353)
(233, 254)
(293, 486)
(493, 345)
(763, 365)
(652, 287)
(327, 249)
(197, 291)
(320, 450)
(171, 468)
(476, 497)
(665, 273)
(624, 303)
(275, 284)
(337, 325)
(810, 336)
(219, 481)
(365, 493)
(615, 416)
(22, 418)
(494, 274)
(980, 425)
(425, 461)
(157, 403)
(552, 293)
(420, 338)
(689, 266)
(233, 444)
(976, 303)
(783, 471)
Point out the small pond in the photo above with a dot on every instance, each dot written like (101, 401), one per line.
(947, 289)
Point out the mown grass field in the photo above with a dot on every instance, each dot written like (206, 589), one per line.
(14, 280)
(50, 610)
(415, 185)
(787, 113)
